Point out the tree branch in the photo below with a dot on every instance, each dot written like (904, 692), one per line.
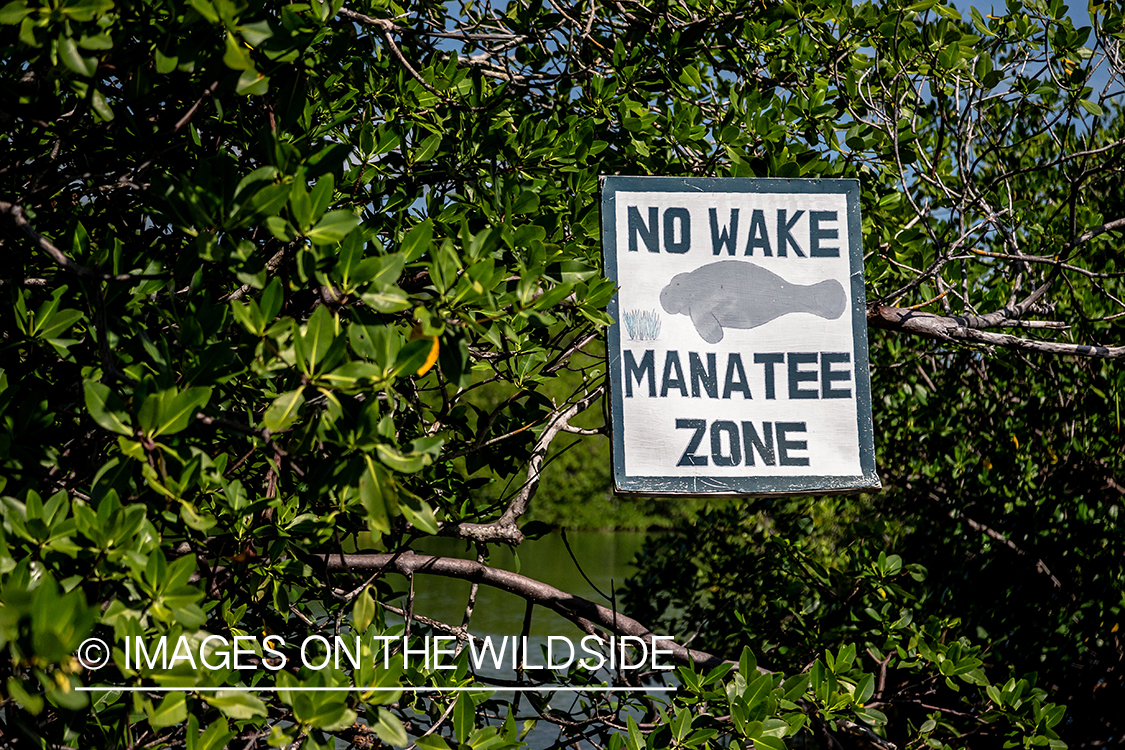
(387, 27)
(574, 608)
(965, 330)
(271, 266)
(505, 529)
(61, 258)
(995, 535)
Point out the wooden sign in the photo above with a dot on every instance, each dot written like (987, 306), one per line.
(738, 359)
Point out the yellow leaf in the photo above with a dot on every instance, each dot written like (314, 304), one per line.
(430, 358)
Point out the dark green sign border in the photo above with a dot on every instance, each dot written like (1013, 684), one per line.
(756, 485)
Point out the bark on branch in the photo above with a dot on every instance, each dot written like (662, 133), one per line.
(61, 258)
(505, 529)
(967, 330)
(585, 613)
(387, 27)
(995, 535)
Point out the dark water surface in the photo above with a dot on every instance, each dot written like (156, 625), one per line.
(605, 558)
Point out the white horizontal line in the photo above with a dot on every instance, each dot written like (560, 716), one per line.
(241, 689)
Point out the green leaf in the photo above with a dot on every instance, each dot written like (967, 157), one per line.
(796, 686)
(388, 300)
(100, 105)
(237, 56)
(757, 691)
(769, 742)
(281, 229)
(464, 717)
(13, 13)
(405, 463)
(301, 206)
(680, 724)
(164, 63)
(320, 710)
(216, 737)
(417, 241)
(317, 338)
(283, 411)
(194, 519)
(389, 270)
(321, 195)
(349, 374)
(412, 356)
(332, 227)
(249, 315)
(527, 203)
(871, 716)
(273, 296)
(172, 710)
(747, 664)
(1094, 109)
(418, 512)
(86, 10)
(31, 702)
(363, 611)
(636, 739)
(775, 728)
(865, 689)
(432, 742)
(175, 411)
(68, 52)
(978, 22)
(106, 407)
(377, 495)
(572, 271)
(252, 83)
(428, 148)
(237, 705)
(256, 33)
(389, 729)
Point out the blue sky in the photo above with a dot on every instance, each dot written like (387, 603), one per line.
(1079, 14)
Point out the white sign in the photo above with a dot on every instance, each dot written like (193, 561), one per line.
(738, 359)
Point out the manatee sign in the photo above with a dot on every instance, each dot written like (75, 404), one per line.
(738, 359)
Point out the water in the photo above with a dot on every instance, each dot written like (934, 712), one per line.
(605, 559)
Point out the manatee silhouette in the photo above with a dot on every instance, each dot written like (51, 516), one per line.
(740, 294)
